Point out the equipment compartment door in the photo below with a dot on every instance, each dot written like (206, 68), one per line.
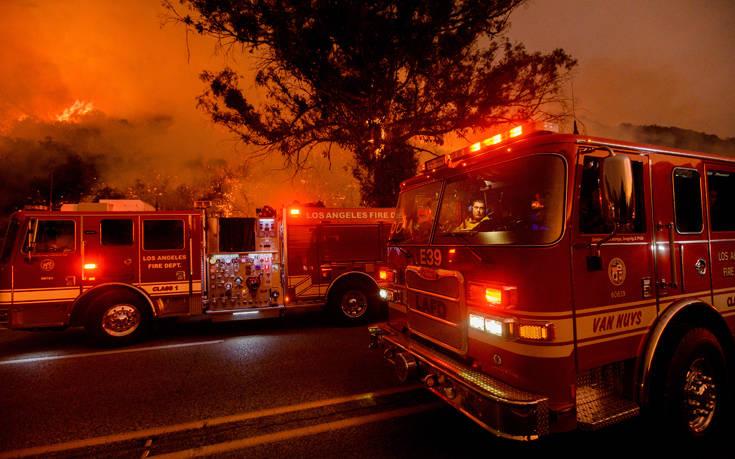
(165, 261)
(612, 277)
(344, 248)
(302, 265)
(720, 186)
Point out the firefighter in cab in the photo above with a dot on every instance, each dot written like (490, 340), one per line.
(479, 216)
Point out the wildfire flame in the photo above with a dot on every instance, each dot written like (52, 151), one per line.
(77, 110)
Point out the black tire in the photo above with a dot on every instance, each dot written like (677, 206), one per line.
(117, 319)
(353, 302)
(694, 398)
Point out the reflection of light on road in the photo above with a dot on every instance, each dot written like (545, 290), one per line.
(301, 432)
(252, 441)
(94, 354)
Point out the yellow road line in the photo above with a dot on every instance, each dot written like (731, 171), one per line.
(155, 431)
(300, 432)
(94, 354)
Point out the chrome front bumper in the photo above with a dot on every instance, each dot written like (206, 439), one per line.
(502, 409)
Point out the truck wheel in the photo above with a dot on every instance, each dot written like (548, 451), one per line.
(117, 319)
(695, 393)
(352, 303)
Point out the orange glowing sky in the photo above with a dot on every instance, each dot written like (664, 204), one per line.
(115, 54)
(666, 62)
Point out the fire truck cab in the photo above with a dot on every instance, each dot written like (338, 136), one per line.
(110, 271)
(543, 282)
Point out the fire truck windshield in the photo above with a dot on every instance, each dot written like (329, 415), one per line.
(415, 214)
(9, 239)
(519, 201)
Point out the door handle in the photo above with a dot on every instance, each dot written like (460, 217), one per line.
(672, 254)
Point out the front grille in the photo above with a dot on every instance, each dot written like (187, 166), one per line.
(436, 306)
(445, 286)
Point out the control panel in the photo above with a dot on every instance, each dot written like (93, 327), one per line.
(266, 235)
(243, 280)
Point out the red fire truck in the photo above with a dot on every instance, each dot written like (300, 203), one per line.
(114, 271)
(542, 282)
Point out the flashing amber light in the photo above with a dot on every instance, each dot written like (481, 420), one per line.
(90, 266)
(287, 299)
(534, 332)
(494, 139)
(386, 275)
(517, 131)
(494, 296)
(451, 251)
(295, 211)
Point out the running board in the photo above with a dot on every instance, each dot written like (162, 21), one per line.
(599, 399)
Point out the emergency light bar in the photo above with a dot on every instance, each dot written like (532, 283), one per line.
(517, 131)
(435, 163)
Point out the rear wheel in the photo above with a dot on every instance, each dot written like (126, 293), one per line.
(353, 302)
(695, 393)
(117, 319)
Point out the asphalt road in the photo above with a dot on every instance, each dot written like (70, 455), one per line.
(293, 387)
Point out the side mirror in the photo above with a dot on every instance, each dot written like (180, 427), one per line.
(30, 242)
(618, 198)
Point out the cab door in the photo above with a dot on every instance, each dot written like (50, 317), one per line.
(110, 249)
(46, 271)
(612, 276)
(682, 249)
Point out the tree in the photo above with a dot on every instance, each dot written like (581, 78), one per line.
(376, 78)
(35, 171)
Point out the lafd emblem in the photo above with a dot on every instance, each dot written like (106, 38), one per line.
(47, 264)
(616, 271)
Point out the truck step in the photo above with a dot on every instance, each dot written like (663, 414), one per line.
(599, 399)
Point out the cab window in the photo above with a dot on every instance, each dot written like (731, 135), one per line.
(591, 220)
(52, 236)
(687, 201)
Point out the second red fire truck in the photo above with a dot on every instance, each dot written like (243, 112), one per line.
(543, 282)
(114, 269)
